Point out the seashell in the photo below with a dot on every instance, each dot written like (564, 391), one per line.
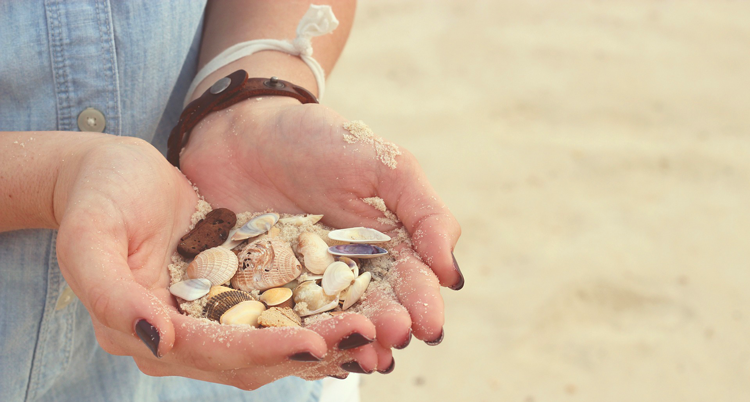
(300, 220)
(306, 276)
(243, 313)
(315, 253)
(215, 290)
(279, 317)
(256, 226)
(266, 264)
(310, 299)
(277, 297)
(217, 264)
(359, 235)
(338, 277)
(210, 232)
(351, 263)
(219, 304)
(357, 250)
(191, 289)
(355, 292)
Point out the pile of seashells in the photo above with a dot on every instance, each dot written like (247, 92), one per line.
(251, 276)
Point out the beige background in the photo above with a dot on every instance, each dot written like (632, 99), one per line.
(597, 155)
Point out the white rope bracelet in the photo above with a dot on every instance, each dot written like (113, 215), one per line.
(318, 20)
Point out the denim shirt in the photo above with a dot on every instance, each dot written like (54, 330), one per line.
(132, 61)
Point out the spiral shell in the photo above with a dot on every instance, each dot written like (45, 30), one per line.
(266, 264)
(315, 253)
(217, 264)
(219, 304)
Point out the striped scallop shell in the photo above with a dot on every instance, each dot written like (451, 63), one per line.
(219, 304)
(217, 264)
(266, 264)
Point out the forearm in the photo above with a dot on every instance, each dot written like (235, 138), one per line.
(231, 22)
(30, 165)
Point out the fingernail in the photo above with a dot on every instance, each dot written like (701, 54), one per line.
(354, 340)
(354, 367)
(437, 340)
(304, 357)
(405, 343)
(390, 368)
(339, 377)
(149, 335)
(460, 283)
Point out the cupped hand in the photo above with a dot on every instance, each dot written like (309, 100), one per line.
(275, 153)
(121, 209)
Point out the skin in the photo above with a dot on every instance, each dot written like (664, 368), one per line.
(121, 208)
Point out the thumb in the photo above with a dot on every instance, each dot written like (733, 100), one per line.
(93, 256)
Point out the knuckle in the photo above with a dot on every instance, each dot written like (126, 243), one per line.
(99, 301)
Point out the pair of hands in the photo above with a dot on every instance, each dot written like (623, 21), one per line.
(123, 208)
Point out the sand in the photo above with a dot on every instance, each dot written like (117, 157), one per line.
(597, 155)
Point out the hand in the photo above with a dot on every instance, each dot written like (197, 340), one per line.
(122, 208)
(275, 153)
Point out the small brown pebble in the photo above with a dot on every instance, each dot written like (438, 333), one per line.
(279, 317)
(208, 233)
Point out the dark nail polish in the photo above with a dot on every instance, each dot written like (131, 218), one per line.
(340, 377)
(149, 335)
(405, 343)
(460, 284)
(437, 340)
(304, 357)
(390, 368)
(354, 367)
(354, 340)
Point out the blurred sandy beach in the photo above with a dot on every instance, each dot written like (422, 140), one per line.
(597, 155)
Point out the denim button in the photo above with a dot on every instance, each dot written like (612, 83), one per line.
(92, 120)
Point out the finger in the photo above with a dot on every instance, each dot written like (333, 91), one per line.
(345, 331)
(418, 290)
(211, 346)
(93, 255)
(434, 230)
(386, 363)
(390, 318)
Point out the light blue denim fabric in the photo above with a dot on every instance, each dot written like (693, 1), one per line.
(133, 61)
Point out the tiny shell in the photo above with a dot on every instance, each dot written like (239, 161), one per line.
(256, 226)
(191, 289)
(219, 304)
(357, 250)
(314, 252)
(359, 235)
(300, 220)
(243, 313)
(313, 297)
(277, 297)
(217, 264)
(355, 292)
(266, 264)
(338, 276)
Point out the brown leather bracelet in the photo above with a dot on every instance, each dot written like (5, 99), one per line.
(227, 91)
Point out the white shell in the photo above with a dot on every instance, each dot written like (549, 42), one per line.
(301, 220)
(355, 292)
(359, 235)
(351, 263)
(315, 253)
(256, 226)
(191, 289)
(338, 276)
(244, 313)
(217, 264)
(314, 298)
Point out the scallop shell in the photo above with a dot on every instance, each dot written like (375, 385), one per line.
(315, 253)
(243, 313)
(357, 250)
(359, 235)
(256, 226)
(310, 299)
(338, 276)
(219, 304)
(217, 264)
(277, 297)
(266, 264)
(355, 292)
(191, 289)
(300, 220)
